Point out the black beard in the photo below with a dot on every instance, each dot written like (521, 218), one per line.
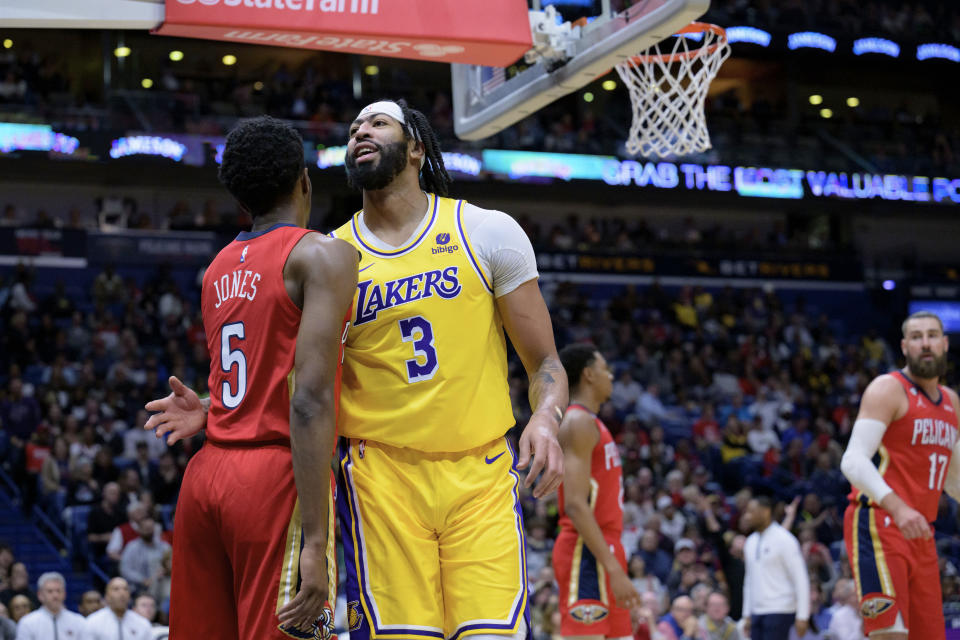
(928, 369)
(372, 176)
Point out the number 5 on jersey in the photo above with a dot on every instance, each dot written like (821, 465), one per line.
(419, 331)
(230, 358)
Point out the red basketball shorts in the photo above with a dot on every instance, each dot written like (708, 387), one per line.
(587, 605)
(236, 545)
(893, 574)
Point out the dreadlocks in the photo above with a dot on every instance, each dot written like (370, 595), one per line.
(433, 176)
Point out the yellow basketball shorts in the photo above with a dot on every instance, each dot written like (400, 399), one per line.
(433, 542)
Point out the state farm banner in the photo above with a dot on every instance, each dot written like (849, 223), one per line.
(492, 32)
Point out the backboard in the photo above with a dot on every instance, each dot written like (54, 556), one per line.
(486, 101)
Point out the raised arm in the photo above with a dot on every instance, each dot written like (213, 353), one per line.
(527, 321)
(578, 437)
(882, 403)
(328, 270)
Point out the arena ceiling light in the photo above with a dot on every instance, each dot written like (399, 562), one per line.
(146, 83)
(609, 85)
(938, 50)
(371, 70)
(588, 97)
(176, 56)
(229, 59)
(811, 40)
(853, 101)
(816, 99)
(876, 45)
(826, 113)
(751, 35)
(122, 52)
(8, 43)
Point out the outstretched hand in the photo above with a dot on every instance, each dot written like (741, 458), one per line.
(181, 414)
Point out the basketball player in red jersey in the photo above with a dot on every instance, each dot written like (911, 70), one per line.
(588, 558)
(250, 559)
(909, 422)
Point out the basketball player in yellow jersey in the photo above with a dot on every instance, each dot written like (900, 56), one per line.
(428, 487)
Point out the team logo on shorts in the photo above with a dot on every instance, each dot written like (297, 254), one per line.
(876, 606)
(354, 616)
(588, 613)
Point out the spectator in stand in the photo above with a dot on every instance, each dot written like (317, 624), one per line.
(657, 561)
(160, 589)
(706, 427)
(684, 556)
(19, 586)
(716, 623)
(643, 581)
(20, 416)
(626, 392)
(90, 602)
(672, 521)
(820, 613)
(53, 479)
(141, 562)
(146, 606)
(6, 563)
(108, 286)
(19, 607)
(647, 616)
(649, 407)
(8, 628)
(145, 467)
(116, 621)
(103, 519)
(82, 489)
(155, 446)
(130, 488)
(52, 621)
(129, 531)
(846, 623)
(759, 439)
(680, 623)
(776, 590)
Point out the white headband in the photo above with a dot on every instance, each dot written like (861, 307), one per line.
(392, 109)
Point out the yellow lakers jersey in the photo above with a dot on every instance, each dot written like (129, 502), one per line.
(425, 362)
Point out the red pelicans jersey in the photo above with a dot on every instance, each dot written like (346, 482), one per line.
(915, 451)
(606, 483)
(251, 326)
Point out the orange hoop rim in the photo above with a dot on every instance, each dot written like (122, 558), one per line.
(693, 27)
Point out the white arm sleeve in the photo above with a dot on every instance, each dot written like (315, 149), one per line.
(857, 463)
(502, 247)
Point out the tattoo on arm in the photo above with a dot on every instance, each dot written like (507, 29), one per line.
(544, 384)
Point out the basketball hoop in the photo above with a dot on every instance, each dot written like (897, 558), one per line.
(668, 90)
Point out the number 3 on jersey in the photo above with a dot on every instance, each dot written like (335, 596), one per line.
(228, 358)
(419, 331)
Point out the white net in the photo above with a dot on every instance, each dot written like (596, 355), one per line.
(668, 85)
